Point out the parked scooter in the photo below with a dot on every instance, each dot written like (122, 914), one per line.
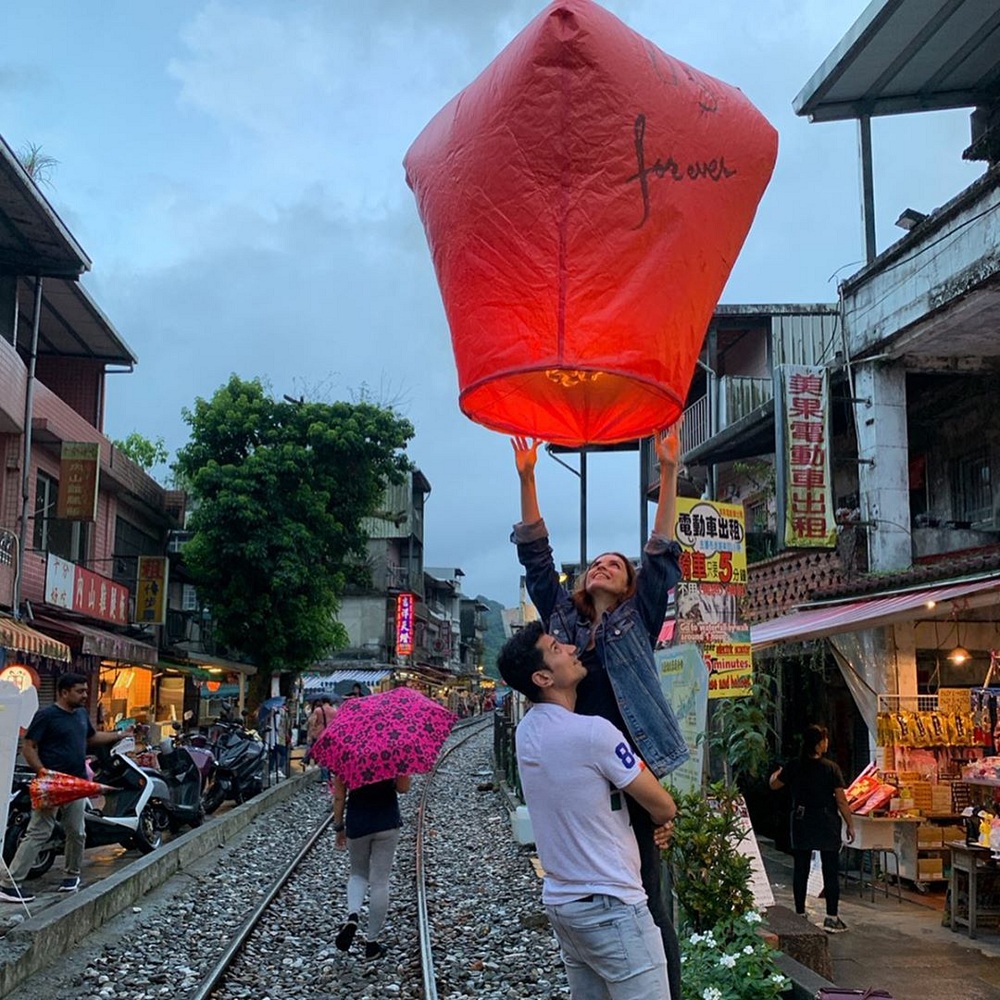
(176, 766)
(238, 773)
(126, 816)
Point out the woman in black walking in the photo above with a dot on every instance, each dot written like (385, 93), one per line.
(818, 804)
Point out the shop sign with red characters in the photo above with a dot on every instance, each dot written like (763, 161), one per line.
(809, 513)
(713, 542)
(404, 624)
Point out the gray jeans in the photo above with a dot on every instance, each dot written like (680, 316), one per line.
(371, 863)
(40, 829)
(612, 950)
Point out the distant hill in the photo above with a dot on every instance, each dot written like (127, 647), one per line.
(494, 637)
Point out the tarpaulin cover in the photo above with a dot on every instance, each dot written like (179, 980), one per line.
(585, 199)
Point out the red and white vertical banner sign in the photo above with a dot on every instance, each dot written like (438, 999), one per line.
(79, 472)
(404, 624)
(809, 513)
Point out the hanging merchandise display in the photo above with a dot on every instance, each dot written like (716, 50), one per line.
(584, 200)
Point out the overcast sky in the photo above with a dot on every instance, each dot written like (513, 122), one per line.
(233, 168)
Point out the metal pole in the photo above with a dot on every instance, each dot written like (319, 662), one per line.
(867, 186)
(643, 491)
(583, 508)
(29, 402)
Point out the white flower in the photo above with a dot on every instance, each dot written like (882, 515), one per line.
(778, 979)
(752, 917)
(748, 950)
(696, 938)
(728, 961)
(711, 993)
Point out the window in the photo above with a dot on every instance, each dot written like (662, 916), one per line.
(130, 543)
(189, 598)
(972, 492)
(67, 539)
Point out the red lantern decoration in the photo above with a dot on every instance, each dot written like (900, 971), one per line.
(585, 199)
(213, 686)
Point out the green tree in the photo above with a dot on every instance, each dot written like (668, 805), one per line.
(281, 489)
(142, 451)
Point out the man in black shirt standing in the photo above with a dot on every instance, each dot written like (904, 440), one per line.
(57, 740)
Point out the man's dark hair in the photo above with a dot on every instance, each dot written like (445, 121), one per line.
(520, 657)
(326, 700)
(66, 681)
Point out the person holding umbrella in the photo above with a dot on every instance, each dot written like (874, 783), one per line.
(370, 832)
(57, 740)
(372, 746)
(613, 617)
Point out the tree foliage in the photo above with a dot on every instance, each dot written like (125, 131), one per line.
(281, 488)
(142, 451)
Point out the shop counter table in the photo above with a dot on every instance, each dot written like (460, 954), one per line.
(976, 868)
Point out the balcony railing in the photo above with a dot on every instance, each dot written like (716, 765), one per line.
(739, 396)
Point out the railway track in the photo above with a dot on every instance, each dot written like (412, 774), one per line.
(213, 983)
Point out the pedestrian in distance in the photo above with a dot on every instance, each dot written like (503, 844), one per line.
(574, 769)
(818, 805)
(319, 718)
(613, 617)
(57, 740)
(367, 822)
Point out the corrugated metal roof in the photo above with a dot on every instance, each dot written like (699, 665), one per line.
(908, 55)
(33, 239)
(71, 324)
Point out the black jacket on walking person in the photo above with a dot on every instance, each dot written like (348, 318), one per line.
(818, 804)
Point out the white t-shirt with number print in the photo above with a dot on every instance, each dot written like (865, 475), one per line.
(571, 768)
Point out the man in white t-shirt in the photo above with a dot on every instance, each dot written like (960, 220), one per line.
(574, 770)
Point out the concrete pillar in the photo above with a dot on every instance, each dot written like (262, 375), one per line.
(883, 473)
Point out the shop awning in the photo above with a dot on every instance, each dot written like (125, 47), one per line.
(21, 639)
(223, 691)
(329, 682)
(833, 619)
(207, 662)
(98, 642)
(192, 670)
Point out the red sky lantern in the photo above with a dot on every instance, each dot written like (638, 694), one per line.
(585, 199)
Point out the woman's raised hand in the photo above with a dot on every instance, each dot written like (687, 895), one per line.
(525, 455)
(668, 444)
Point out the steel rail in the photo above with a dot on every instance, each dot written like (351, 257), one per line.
(218, 971)
(423, 921)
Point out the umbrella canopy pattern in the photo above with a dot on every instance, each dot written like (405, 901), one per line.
(382, 736)
(52, 789)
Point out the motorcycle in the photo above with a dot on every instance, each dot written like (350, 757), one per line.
(177, 767)
(127, 815)
(238, 772)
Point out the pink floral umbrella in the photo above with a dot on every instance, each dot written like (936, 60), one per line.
(381, 736)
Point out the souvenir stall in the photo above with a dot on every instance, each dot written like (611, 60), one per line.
(909, 804)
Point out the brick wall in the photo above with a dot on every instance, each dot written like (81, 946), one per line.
(777, 584)
(13, 379)
(78, 382)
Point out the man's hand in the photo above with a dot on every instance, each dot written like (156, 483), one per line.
(662, 835)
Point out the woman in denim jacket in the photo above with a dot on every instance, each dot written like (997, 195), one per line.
(614, 616)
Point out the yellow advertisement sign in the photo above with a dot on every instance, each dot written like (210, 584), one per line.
(151, 590)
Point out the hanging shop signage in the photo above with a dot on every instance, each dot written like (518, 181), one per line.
(404, 624)
(151, 590)
(77, 589)
(79, 473)
(714, 573)
(809, 513)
